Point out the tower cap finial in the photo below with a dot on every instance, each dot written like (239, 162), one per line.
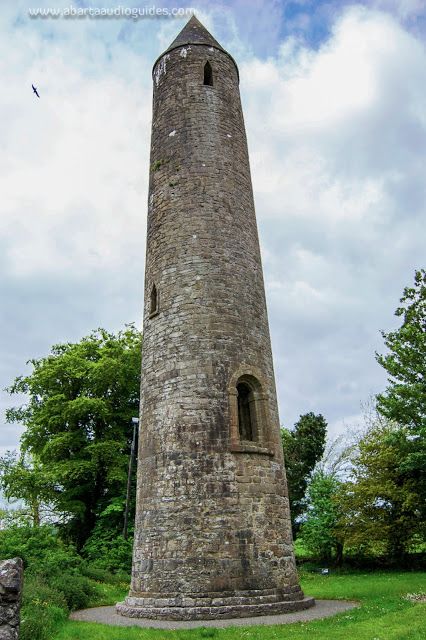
(195, 33)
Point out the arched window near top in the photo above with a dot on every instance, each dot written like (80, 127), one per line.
(208, 74)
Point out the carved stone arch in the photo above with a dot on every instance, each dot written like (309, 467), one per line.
(249, 380)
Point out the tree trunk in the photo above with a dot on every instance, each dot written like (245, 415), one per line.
(339, 554)
(35, 513)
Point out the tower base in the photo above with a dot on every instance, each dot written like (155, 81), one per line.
(210, 606)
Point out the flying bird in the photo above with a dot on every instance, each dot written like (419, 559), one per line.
(35, 91)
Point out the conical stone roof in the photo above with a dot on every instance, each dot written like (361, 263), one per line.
(194, 33)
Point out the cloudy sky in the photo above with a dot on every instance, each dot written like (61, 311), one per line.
(334, 97)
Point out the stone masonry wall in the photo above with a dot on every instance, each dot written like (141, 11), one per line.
(212, 512)
(11, 580)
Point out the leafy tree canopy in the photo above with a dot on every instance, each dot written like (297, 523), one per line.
(25, 481)
(303, 448)
(77, 419)
(382, 505)
(320, 531)
(404, 400)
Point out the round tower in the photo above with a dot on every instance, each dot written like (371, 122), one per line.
(212, 533)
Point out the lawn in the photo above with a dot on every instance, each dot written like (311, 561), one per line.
(384, 614)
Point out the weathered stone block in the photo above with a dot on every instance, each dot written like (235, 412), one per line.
(11, 581)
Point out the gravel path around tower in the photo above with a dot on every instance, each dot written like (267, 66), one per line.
(322, 609)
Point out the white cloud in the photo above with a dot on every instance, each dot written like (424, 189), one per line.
(337, 140)
(75, 168)
(404, 9)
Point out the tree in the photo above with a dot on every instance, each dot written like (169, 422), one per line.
(26, 482)
(81, 399)
(381, 502)
(320, 530)
(303, 448)
(404, 401)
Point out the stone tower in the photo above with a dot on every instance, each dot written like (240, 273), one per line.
(212, 534)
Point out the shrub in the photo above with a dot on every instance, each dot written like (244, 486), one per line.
(97, 573)
(37, 592)
(58, 580)
(40, 620)
(77, 590)
(40, 548)
(107, 550)
(43, 609)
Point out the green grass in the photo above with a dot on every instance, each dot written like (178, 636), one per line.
(109, 593)
(383, 614)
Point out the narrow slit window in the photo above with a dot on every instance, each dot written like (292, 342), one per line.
(153, 308)
(208, 74)
(246, 424)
